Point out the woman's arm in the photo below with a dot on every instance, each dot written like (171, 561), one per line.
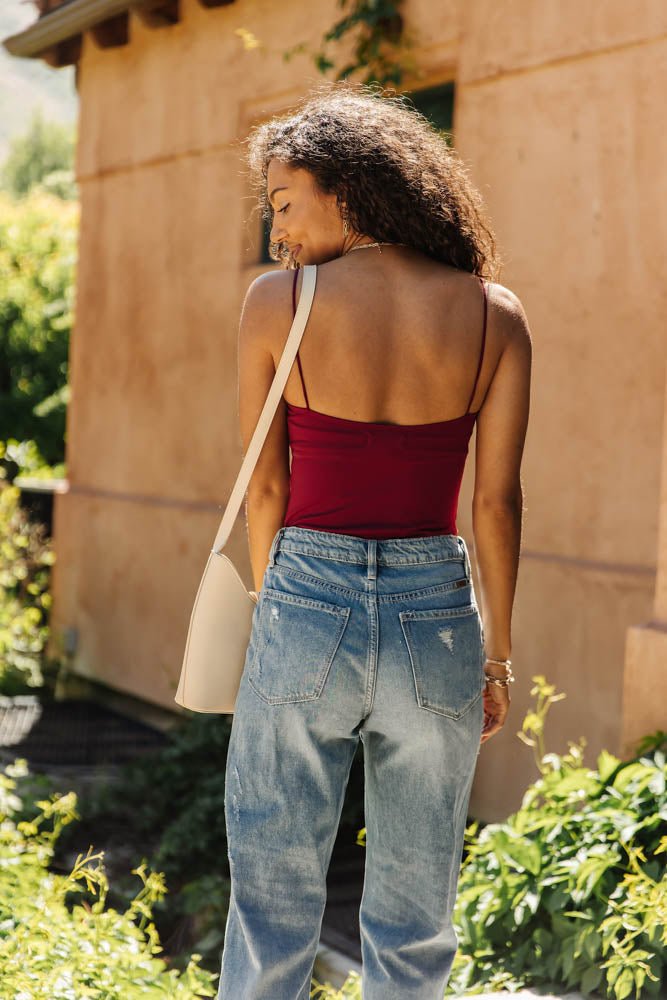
(267, 305)
(264, 516)
(497, 506)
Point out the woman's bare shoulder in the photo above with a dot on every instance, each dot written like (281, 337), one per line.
(266, 309)
(270, 287)
(507, 314)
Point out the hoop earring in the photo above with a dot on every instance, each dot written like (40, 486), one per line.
(346, 227)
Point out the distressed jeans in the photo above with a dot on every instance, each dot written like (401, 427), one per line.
(352, 638)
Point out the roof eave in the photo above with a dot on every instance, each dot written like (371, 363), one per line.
(61, 24)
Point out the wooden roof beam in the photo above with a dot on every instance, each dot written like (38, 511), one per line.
(157, 13)
(106, 19)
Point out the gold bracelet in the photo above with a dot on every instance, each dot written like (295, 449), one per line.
(501, 681)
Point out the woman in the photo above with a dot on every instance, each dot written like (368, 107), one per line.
(367, 625)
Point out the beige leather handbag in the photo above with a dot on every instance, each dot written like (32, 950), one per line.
(221, 618)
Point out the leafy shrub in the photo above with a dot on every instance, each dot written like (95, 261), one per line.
(571, 889)
(38, 253)
(53, 948)
(350, 990)
(26, 557)
(25, 459)
(172, 799)
(177, 790)
(42, 156)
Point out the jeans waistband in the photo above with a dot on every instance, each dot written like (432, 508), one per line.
(410, 551)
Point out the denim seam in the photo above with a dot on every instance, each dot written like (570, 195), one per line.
(334, 557)
(427, 614)
(440, 588)
(372, 655)
(449, 715)
(306, 602)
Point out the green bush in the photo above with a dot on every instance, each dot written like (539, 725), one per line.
(572, 888)
(42, 157)
(177, 790)
(38, 252)
(172, 800)
(350, 990)
(55, 948)
(26, 557)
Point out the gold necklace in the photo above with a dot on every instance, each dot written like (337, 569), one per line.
(363, 246)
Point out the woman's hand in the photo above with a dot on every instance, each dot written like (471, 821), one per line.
(496, 700)
(254, 595)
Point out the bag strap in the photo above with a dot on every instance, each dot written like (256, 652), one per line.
(270, 406)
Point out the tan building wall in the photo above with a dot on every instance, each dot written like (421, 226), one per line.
(560, 115)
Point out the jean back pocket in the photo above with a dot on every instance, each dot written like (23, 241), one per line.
(294, 646)
(446, 650)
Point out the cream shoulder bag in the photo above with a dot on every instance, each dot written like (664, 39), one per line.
(221, 618)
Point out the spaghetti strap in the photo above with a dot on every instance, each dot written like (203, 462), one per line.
(298, 359)
(481, 352)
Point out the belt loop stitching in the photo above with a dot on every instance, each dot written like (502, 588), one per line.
(466, 559)
(372, 559)
(274, 547)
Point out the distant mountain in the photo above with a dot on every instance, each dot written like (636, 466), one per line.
(26, 84)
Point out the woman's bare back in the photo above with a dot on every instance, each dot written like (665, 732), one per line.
(392, 339)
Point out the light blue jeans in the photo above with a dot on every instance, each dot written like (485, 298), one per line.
(353, 638)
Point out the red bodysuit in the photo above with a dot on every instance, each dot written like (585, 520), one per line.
(377, 480)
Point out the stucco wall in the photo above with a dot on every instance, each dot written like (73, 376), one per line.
(557, 112)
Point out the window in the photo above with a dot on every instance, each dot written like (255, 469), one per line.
(437, 104)
(264, 242)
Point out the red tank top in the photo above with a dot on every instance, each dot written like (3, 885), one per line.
(372, 479)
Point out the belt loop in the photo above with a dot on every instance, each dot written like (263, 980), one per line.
(466, 558)
(274, 546)
(372, 559)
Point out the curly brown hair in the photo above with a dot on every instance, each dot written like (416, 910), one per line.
(397, 175)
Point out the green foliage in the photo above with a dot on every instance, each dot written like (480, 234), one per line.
(350, 990)
(25, 459)
(172, 801)
(379, 42)
(42, 157)
(53, 947)
(575, 877)
(38, 250)
(26, 557)
(178, 790)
